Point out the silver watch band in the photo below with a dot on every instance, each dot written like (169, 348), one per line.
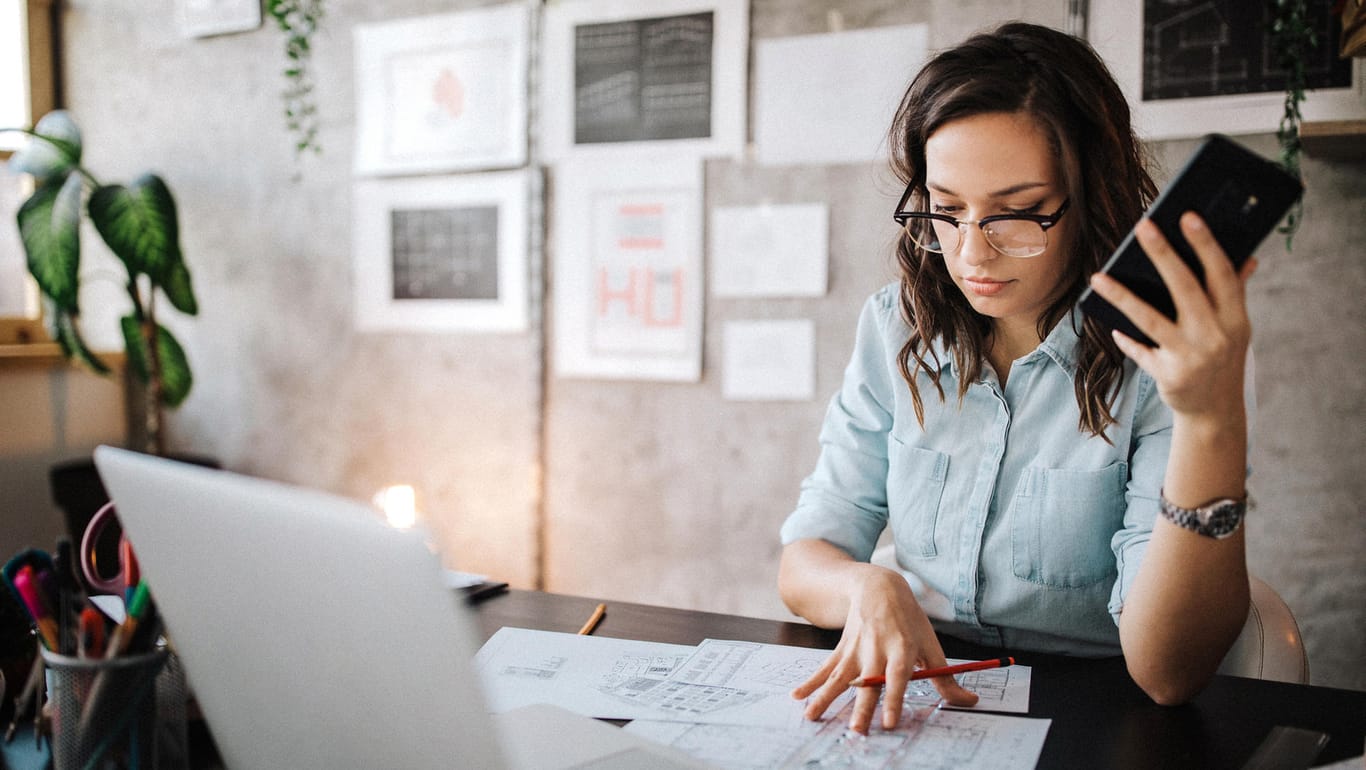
(1217, 519)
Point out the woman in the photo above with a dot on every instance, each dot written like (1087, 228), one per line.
(1040, 475)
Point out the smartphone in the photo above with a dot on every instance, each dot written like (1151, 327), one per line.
(1240, 195)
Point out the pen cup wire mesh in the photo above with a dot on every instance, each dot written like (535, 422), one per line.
(124, 712)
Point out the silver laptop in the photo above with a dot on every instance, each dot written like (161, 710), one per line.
(314, 635)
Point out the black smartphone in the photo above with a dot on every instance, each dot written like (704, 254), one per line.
(1240, 195)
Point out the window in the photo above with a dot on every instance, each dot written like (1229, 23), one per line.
(27, 92)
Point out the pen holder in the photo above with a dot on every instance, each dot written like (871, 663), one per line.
(122, 712)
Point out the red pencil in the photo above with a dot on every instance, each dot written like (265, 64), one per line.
(927, 673)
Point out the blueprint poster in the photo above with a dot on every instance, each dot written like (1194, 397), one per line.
(1195, 48)
(643, 79)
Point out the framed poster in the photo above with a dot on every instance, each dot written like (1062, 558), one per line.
(443, 93)
(628, 268)
(1190, 67)
(669, 74)
(441, 253)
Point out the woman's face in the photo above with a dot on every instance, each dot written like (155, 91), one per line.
(999, 163)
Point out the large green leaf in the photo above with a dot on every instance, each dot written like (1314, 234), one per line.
(139, 224)
(174, 366)
(178, 289)
(50, 227)
(57, 156)
(68, 336)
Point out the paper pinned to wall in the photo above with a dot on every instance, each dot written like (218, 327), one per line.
(202, 18)
(769, 360)
(770, 250)
(628, 268)
(823, 99)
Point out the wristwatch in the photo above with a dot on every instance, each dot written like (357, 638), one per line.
(1217, 519)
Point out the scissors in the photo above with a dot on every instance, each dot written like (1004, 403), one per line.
(125, 577)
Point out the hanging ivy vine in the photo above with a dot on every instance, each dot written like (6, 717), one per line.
(299, 19)
(1292, 38)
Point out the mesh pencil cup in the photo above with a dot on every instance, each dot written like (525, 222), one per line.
(123, 712)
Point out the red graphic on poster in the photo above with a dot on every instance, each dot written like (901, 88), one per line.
(449, 93)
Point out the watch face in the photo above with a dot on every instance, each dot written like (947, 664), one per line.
(1222, 519)
(1217, 519)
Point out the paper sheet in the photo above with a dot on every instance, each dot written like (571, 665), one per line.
(822, 99)
(717, 682)
(769, 360)
(930, 735)
(769, 250)
(926, 737)
(520, 667)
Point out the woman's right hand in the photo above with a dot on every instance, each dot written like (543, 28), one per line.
(885, 634)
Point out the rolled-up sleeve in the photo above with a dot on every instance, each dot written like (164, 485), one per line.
(1147, 468)
(1147, 471)
(844, 501)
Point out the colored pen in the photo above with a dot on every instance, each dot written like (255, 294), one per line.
(70, 594)
(90, 640)
(131, 574)
(593, 620)
(123, 635)
(58, 605)
(25, 584)
(929, 673)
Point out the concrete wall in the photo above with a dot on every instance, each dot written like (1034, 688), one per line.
(646, 492)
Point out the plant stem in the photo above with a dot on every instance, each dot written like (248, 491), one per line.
(145, 313)
(1292, 37)
(299, 19)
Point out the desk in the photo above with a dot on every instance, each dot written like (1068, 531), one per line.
(1100, 717)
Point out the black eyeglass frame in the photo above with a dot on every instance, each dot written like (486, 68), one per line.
(1044, 221)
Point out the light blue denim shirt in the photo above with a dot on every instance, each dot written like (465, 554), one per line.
(1014, 528)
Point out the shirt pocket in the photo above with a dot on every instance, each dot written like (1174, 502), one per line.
(1061, 524)
(915, 485)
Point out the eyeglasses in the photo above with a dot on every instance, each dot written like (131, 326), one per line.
(1014, 235)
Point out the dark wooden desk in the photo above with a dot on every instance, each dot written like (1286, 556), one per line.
(1100, 717)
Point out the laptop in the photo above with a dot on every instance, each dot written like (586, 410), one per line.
(316, 636)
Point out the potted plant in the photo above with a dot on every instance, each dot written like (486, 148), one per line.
(138, 223)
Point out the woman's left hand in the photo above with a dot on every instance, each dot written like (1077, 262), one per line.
(1198, 364)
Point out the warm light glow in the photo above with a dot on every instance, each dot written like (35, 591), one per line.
(399, 504)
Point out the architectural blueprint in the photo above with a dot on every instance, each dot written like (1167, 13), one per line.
(927, 737)
(718, 682)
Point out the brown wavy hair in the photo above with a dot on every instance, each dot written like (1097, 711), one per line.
(1064, 86)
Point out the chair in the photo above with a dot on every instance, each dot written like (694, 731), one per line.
(1269, 646)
